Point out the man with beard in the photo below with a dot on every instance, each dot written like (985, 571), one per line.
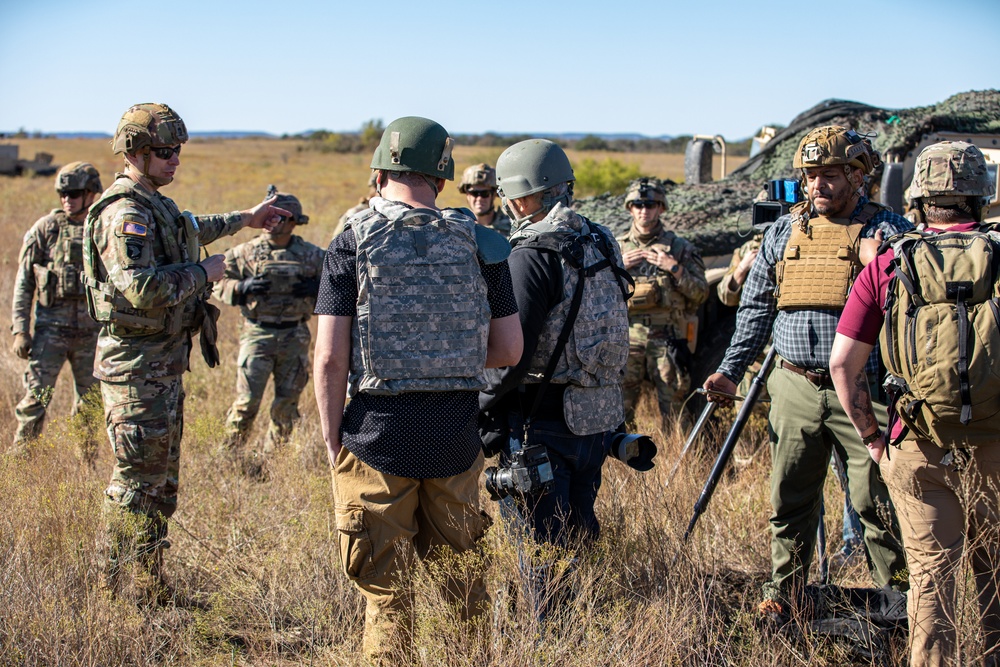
(797, 289)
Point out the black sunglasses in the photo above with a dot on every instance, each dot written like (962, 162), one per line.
(479, 193)
(644, 204)
(71, 194)
(166, 152)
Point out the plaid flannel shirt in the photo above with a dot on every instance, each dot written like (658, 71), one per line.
(803, 337)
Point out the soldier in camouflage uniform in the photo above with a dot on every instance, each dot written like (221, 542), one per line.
(50, 266)
(273, 279)
(670, 286)
(148, 289)
(479, 185)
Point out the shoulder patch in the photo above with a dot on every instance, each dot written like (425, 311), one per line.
(131, 227)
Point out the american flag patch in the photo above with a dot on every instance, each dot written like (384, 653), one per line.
(133, 228)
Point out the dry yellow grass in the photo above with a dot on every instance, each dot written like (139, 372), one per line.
(260, 560)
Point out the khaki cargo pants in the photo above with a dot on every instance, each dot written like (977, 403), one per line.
(384, 522)
(945, 512)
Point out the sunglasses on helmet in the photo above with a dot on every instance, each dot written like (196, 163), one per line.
(166, 152)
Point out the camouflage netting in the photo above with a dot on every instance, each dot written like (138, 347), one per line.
(711, 215)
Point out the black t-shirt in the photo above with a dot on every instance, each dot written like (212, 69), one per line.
(417, 434)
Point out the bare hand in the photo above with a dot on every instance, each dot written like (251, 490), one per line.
(719, 382)
(661, 260)
(877, 448)
(332, 450)
(215, 267)
(869, 248)
(633, 257)
(266, 215)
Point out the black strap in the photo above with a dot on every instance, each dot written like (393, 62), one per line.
(963, 358)
(573, 253)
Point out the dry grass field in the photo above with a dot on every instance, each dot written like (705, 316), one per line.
(255, 563)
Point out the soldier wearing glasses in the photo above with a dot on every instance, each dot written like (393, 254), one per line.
(49, 268)
(669, 286)
(479, 185)
(148, 287)
(274, 280)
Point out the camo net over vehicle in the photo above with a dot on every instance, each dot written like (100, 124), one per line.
(713, 215)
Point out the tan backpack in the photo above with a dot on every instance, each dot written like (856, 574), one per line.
(941, 339)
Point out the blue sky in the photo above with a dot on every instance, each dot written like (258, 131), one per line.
(511, 66)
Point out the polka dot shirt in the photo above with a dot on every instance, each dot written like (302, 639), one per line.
(419, 434)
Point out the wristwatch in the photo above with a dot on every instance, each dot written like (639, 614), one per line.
(872, 437)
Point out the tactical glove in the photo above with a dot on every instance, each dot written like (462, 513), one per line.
(251, 285)
(22, 345)
(306, 287)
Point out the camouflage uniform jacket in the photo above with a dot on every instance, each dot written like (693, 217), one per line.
(680, 296)
(728, 296)
(41, 266)
(134, 250)
(259, 258)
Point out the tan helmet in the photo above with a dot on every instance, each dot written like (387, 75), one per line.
(646, 189)
(832, 145)
(79, 176)
(149, 125)
(478, 174)
(288, 202)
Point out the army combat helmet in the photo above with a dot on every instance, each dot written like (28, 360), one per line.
(416, 144)
(478, 174)
(645, 189)
(147, 126)
(534, 165)
(952, 173)
(78, 176)
(288, 202)
(833, 145)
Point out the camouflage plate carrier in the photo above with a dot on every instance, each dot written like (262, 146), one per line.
(423, 319)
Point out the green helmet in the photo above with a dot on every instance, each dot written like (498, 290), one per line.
(832, 145)
(645, 189)
(532, 166)
(950, 171)
(478, 174)
(416, 144)
(149, 125)
(79, 176)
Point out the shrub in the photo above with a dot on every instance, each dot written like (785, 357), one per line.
(594, 178)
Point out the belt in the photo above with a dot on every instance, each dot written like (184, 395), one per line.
(819, 378)
(275, 325)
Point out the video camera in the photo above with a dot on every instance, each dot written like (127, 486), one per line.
(781, 195)
(529, 474)
(634, 450)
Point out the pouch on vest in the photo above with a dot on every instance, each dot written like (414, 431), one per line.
(45, 285)
(646, 295)
(942, 335)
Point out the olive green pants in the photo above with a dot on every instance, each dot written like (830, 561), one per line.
(946, 515)
(807, 422)
(384, 522)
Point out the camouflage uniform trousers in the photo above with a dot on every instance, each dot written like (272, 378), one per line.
(655, 355)
(267, 351)
(145, 421)
(50, 348)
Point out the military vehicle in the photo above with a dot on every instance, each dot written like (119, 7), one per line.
(716, 215)
(12, 165)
